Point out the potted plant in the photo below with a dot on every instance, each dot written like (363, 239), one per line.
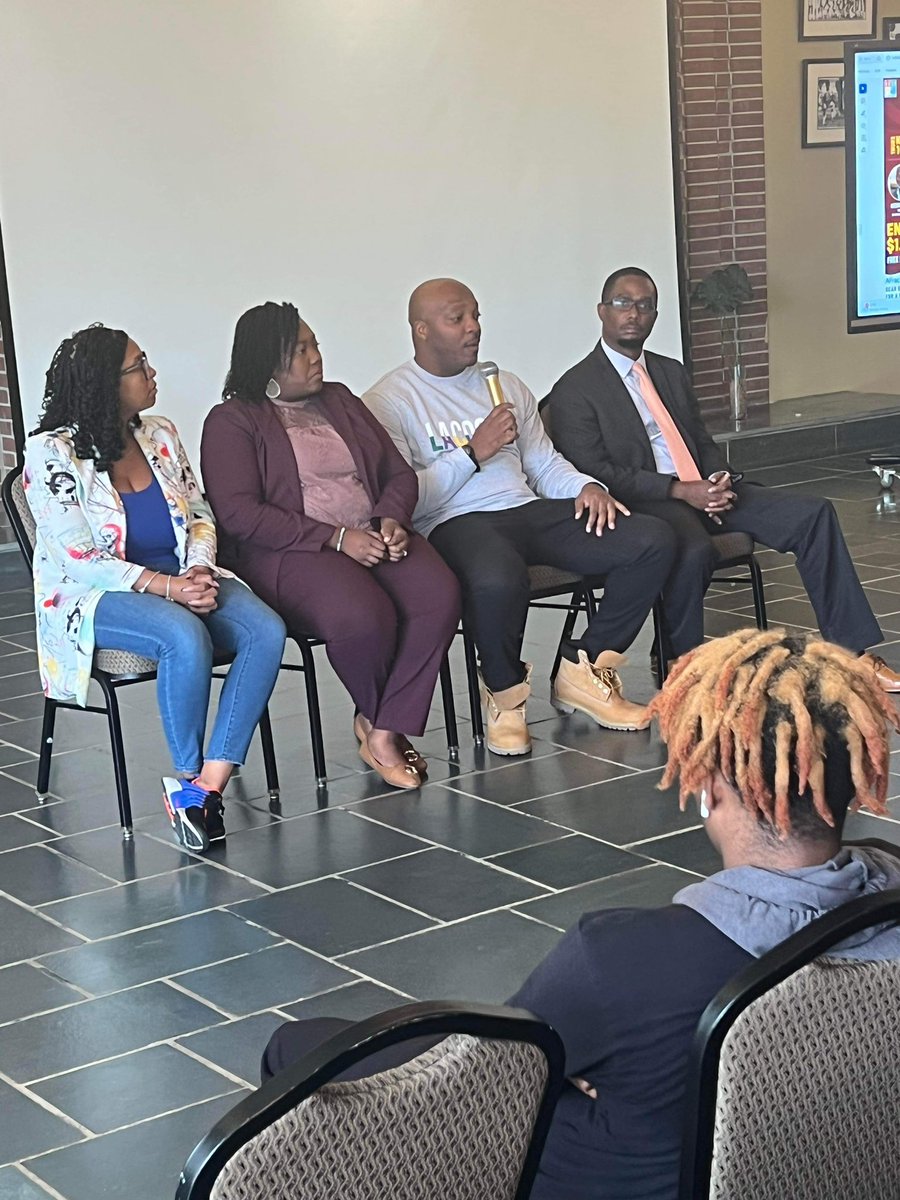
(722, 293)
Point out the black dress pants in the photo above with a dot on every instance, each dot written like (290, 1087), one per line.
(490, 552)
(789, 522)
(291, 1041)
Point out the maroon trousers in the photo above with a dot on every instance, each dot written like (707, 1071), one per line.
(386, 629)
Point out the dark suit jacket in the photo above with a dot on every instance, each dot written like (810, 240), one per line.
(250, 476)
(594, 424)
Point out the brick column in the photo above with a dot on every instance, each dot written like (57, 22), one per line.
(720, 171)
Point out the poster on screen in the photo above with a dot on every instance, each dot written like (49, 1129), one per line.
(821, 19)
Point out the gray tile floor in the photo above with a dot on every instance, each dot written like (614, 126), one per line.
(139, 984)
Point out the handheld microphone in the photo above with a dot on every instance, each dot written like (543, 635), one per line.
(491, 376)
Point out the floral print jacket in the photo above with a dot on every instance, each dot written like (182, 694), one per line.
(79, 550)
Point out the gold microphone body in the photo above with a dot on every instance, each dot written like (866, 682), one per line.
(491, 375)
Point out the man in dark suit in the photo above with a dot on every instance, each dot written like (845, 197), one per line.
(630, 417)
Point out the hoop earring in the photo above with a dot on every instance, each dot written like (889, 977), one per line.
(273, 389)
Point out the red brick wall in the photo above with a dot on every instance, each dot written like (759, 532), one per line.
(720, 170)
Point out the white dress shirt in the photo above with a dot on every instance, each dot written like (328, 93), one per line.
(623, 364)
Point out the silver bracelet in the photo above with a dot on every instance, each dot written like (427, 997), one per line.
(168, 585)
(340, 540)
(149, 581)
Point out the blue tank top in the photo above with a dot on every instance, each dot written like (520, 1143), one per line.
(150, 537)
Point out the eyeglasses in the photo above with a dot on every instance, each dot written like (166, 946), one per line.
(625, 303)
(142, 364)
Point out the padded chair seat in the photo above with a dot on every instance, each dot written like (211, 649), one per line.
(122, 662)
(729, 546)
(543, 578)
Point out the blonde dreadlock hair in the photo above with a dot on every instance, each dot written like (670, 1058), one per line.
(792, 722)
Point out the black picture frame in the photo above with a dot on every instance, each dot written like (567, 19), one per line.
(890, 29)
(836, 28)
(815, 134)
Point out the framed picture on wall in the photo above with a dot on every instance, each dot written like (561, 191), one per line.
(823, 102)
(890, 29)
(821, 19)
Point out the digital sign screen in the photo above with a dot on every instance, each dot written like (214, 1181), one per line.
(872, 74)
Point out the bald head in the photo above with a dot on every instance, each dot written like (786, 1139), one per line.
(444, 319)
(433, 294)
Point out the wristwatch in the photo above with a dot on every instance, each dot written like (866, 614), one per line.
(467, 446)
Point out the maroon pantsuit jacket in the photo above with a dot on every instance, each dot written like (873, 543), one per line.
(250, 476)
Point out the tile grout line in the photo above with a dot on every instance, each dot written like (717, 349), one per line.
(48, 1188)
(206, 1062)
(39, 1100)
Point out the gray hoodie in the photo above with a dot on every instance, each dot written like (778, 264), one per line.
(759, 908)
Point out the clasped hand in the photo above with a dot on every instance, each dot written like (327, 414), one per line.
(712, 496)
(369, 548)
(197, 589)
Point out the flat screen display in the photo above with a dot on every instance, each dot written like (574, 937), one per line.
(872, 72)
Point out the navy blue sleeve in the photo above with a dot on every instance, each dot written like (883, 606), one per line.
(559, 991)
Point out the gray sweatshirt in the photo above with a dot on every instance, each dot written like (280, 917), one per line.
(428, 416)
(759, 908)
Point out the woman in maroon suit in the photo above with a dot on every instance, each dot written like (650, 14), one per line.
(314, 509)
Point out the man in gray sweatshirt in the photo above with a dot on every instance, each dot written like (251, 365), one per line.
(495, 498)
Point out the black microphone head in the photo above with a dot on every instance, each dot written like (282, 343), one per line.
(488, 369)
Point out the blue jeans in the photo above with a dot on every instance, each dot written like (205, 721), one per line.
(184, 642)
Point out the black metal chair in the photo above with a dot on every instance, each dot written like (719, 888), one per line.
(733, 550)
(112, 670)
(466, 1118)
(546, 583)
(306, 644)
(794, 1066)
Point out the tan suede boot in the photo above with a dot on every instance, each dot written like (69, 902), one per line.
(507, 732)
(596, 689)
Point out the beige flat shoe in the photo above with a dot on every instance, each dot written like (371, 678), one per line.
(411, 754)
(399, 776)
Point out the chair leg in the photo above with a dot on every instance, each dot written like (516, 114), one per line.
(449, 709)
(474, 693)
(579, 604)
(268, 749)
(43, 775)
(659, 641)
(117, 745)
(759, 594)
(315, 717)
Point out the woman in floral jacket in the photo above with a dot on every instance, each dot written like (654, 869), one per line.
(122, 528)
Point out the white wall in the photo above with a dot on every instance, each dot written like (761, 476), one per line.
(165, 165)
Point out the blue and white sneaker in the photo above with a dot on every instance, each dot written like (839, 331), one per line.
(214, 814)
(184, 803)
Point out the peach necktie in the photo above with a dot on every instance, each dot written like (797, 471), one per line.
(682, 459)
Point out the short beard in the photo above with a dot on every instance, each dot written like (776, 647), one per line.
(632, 343)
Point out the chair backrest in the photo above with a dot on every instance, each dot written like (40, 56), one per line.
(20, 516)
(466, 1120)
(795, 1068)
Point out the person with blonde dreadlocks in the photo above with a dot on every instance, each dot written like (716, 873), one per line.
(774, 738)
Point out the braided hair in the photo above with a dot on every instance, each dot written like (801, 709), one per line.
(797, 725)
(265, 338)
(82, 393)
